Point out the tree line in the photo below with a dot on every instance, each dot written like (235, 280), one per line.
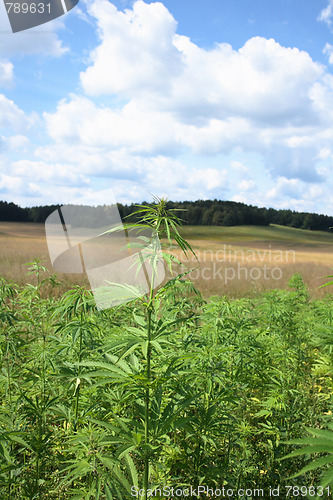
(196, 213)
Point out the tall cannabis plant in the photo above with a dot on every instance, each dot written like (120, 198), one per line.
(160, 222)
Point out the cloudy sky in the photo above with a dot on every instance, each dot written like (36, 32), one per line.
(189, 99)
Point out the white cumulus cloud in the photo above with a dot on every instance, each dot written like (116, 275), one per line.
(151, 100)
(136, 52)
(328, 49)
(12, 118)
(326, 14)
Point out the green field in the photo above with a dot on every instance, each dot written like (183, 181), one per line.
(170, 389)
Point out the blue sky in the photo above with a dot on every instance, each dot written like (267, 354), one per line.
(187, 99)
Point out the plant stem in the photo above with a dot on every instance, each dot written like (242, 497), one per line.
(9, 373)
(147, 405)
(79, 373)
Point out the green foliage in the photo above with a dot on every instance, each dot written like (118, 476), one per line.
(320, 442)
(166, 390)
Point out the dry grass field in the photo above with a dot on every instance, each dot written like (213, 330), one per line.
(233, 261)
(245, 260)
(21, 243)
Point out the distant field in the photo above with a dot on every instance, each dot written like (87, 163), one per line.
(21, 243)
(237, 261)
(258, 233)
(242, 260)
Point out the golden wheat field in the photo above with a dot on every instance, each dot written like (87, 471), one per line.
(233, 261)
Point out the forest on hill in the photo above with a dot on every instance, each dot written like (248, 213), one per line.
(196, 213)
